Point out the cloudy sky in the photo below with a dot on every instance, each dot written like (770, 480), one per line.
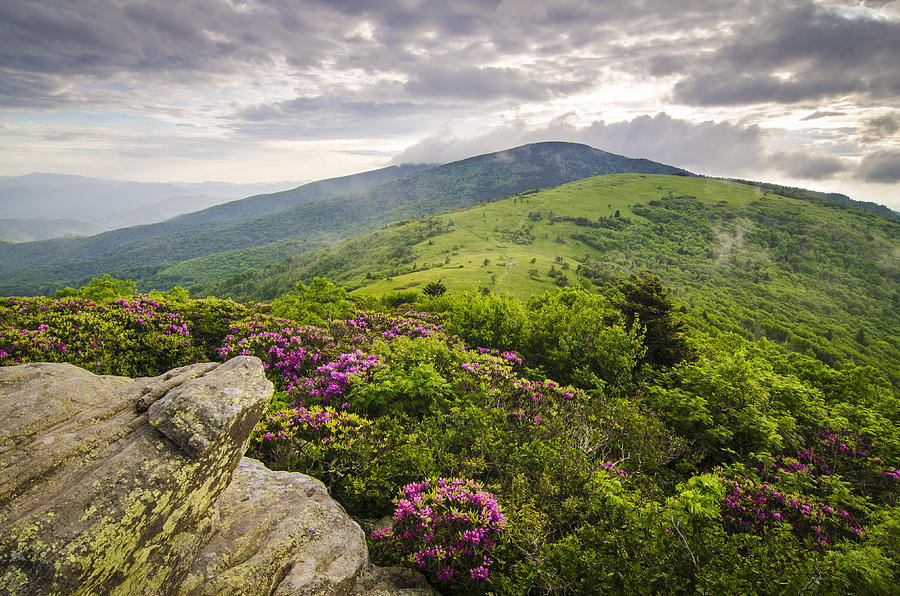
(801, 92)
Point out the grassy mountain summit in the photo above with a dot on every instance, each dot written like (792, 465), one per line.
(144, 252)
(818, 276)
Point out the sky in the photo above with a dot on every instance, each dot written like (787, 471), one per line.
(797, 92)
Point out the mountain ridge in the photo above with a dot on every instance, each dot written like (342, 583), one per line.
(37, 267)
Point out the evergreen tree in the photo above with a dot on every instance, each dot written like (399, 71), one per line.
(435, 288)
(648, 301)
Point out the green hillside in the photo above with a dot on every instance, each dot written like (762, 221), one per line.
(137, 251)
(818, 276)
(142, 252)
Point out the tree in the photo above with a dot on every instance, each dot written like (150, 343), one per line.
(313, 304)
(647, 301)
(434, 288)
(101, 289)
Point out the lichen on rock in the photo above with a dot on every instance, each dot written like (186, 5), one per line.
(110, 505)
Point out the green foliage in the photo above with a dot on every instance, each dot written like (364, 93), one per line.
(414, 380)
(101, 289)
(572, 335)
(746, 469)
(435, 288)
(648, 302)
(577, 337)
(313, 304)
(136, 337)
(488, 320)
(807, 274)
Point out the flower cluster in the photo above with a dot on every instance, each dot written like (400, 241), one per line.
(150, 313)
(20, 345)
(363, 327)
(751, 506)
(130, 337)
(288, 353)
(613, 469)
(332, 381)
(447, 527)
(510, 356)
(312, 434)
(523, 398)
(833, 454)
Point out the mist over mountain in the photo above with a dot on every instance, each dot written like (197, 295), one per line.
(26, 230)
(108, 204)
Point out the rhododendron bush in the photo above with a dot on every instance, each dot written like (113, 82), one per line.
(744, 469)
(446, 527)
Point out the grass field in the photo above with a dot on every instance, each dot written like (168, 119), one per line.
(480, 250)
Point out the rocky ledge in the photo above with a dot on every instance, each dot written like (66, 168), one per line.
(111, 485)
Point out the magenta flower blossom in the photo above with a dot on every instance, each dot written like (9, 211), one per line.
(446, 526)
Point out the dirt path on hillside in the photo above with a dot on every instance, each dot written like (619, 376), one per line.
(506, 275)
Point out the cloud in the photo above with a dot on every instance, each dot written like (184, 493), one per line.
(807, 164)
(710, 147)
(822, 114)
(806, 53)
(439, 51)
(881, 127)
(490, 83)
(45, 44)
(324, 117)
(882, 167)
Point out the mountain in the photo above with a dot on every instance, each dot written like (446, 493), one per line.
(817, 276)
(158, 211)
(112, 203)
(815, 196)
(144, 253)
(25, 230)
(43, 266)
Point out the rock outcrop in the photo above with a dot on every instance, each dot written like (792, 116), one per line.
(97, 497)
(110, 485)
(269, 541)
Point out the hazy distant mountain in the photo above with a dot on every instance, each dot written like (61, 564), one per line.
(159, 211)
(27, 230)
(259, 205)
(113, 203)
(142, 253)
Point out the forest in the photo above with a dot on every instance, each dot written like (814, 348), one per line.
(584, 440)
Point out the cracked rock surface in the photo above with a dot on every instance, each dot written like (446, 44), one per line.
(94, 497)
(278, 533)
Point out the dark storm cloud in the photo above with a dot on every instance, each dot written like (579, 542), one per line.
(804, 163)
(881, 127)
(881, 167)
(806, 53)
(51, 43)
(455, 49)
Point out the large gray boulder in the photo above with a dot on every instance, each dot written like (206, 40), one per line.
(107, 484)
(278, 533)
